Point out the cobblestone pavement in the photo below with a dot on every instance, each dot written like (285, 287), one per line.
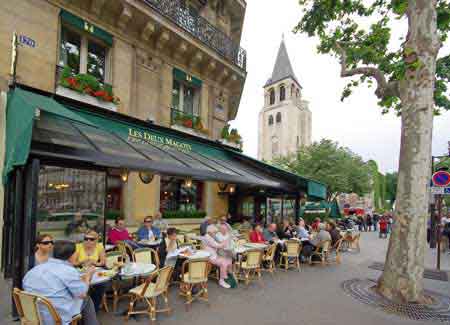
(313, 296)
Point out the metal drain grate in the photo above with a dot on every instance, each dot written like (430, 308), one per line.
(362, 291)
(428, 274)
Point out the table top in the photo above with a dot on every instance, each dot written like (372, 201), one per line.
(130, 270)
(102, 276)
(196, 255)
(109, 247)
(255, 245)
(150, 242)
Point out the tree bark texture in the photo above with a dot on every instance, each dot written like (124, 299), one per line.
(402, 279)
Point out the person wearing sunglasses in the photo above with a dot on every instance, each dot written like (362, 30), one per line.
(44, 249)
(148, 231)
(92, 253)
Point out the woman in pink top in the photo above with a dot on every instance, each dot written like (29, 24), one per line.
(223, 263)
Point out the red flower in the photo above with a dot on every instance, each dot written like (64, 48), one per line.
(72, 81)
(187, 123)
(100, 93)
(88, 90)
(108, 98)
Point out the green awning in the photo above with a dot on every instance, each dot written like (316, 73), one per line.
(85, 26)
(42, 126)
(21, 110)
(180, 75)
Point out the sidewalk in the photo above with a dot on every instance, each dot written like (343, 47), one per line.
(313, 296)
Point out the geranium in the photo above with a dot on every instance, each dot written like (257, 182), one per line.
(188, 123)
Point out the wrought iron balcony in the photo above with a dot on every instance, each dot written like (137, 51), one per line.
(190, 21)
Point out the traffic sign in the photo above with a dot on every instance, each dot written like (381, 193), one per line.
(441, 178)
(440, 190)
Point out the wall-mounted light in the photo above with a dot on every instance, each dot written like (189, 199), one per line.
(222, 186)
(124, 175)
(232, 189)
(188, 182)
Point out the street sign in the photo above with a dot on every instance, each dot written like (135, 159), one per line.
(441, 178)
(440, 190)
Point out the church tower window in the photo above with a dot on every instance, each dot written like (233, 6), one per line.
(282, 93)
(272, 96)
(278, 118)
(270, 119)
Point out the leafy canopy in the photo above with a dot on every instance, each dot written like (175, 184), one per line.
(342, 25)
(342, 170)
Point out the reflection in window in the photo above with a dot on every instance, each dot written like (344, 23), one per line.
(65, 192)
(96, 61)
(70, 50)
(175, 195)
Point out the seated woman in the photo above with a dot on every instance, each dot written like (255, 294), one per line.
(92, 253)
(169, 250)
(256, 235)
(44, 248)
(223, 263)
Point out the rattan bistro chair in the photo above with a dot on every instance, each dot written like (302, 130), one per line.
(269, 259)
(194, 273)
(321, 251)
(249, 267)
(28, 304)
(334, 254)
(290, 257)
(125, 249)
(149, 292)
(146, 256)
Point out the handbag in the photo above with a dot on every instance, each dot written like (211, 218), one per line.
(231, 281)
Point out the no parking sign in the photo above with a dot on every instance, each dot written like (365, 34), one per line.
(441, 178)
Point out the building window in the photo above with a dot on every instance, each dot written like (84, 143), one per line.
(176, 196)
(278, 118)
(275, 147)
(297, 93)
(298, 141)
(282, 93)
(185, 98)
(292, 90)
(83, 54)
(272, 96)
(270, 119)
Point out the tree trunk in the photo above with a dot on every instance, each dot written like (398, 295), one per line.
(402, 279)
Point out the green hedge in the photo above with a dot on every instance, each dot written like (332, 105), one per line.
(184, 214)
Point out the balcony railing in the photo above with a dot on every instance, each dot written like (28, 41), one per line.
(190, 21)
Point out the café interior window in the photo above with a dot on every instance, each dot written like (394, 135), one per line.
(177, 196)
(83, 54)
(64, 194)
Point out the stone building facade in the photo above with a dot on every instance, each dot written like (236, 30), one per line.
(285, 120)
(163, 59)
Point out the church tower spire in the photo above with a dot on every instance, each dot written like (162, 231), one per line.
(285, 120)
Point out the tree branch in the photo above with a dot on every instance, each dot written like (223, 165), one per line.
(384, 88)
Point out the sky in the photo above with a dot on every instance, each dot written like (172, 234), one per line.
(356, 123)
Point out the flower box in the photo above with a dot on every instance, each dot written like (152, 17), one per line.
(88, 99)
(189, 131)
(231, 144)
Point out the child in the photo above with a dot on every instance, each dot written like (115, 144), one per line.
(383, 227)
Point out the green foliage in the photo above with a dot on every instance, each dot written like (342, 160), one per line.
(340, 22)
(190, 214)
(225, 133)
(342, 170)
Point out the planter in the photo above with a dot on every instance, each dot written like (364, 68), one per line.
(88, 99)
(231, 144)
(189, 131)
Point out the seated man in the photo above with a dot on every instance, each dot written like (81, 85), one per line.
(208, 221)
(270, 233)
(334, 232)
(61, 283)
(77, 228)
(160, 223)
(148, 231)
(120, 233)
(322, 236)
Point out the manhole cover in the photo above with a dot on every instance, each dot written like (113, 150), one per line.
(362, 291)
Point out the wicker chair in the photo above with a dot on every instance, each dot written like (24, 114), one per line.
(146, 256)
(335, 252)
(194, 273)
(249, 267)
(290, 257)
(149, 292)
(28, 304)
(321, 251)
(269, 259)
(125, 249)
